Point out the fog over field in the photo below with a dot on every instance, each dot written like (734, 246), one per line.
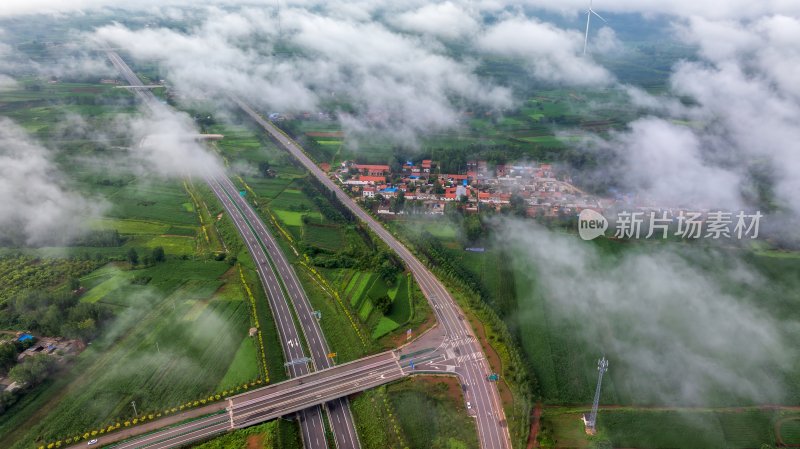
(413, 67)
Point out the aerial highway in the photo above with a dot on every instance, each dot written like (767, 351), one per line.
(297, 394)
(459, 342)
(339, 414)
(311, 423)
(450, 348)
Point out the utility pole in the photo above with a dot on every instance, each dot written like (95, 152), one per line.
(591, 421)
(135, 413)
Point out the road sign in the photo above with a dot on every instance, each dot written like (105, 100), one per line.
(317, 314)
(331, 355)
(411, 364)
(408, 334)
(242, 193)
(494, 377)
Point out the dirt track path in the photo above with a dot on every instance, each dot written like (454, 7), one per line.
(537, 417)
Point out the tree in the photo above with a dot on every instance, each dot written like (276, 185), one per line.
(473, 229)
(382, 303)
(8, 357)
(74, 283)
(158, 254)
(33, 370)
(133, 257)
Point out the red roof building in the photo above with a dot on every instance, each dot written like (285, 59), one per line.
(372, 179)
(373, 170)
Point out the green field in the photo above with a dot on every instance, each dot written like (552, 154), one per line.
(279, 434)
(790, 431)
(152, 354)
(661, 429)
(414, 414)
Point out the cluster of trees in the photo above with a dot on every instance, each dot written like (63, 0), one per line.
(382, 303)
(8, 355)
(330, 195)
(157, 256)
(103, 238)
(55, 314)
(29, 373)
(22, 273)
(326, 206)
(33, 370)
(432, 248)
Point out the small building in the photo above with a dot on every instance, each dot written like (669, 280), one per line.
(373, 170)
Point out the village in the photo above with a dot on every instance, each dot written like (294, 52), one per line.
(538, 188)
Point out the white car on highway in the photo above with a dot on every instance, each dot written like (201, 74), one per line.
(92, 442)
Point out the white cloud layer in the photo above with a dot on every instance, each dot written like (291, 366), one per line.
(553, 53)
(36, 206)
(670, 326)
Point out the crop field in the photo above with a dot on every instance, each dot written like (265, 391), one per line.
(789, 431)
(330, 238)
(559, 360)
(156, 353)
(151, 201)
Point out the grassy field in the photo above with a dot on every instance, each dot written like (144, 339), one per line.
(789, 430)
(662, 429)
(416, 413)
(161, 352)
(278, 434)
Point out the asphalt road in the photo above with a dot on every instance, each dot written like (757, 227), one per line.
(273, 401)
(311, 422)
(459, 343)
(452, 348)
(339, 416)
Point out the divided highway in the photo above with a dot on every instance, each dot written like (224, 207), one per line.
(459, 343)
(450, 348)
(311, 421)
(339, 415)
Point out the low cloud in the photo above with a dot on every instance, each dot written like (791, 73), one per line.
(552, 53)
(741, 119)
(663, 316)
(398, 83)
(7, 83)
(36, 205)
(166, 143)
(444, 20)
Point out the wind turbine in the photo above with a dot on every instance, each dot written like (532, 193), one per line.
(589, 13)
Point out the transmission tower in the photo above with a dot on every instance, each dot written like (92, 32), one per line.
(602, 367)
